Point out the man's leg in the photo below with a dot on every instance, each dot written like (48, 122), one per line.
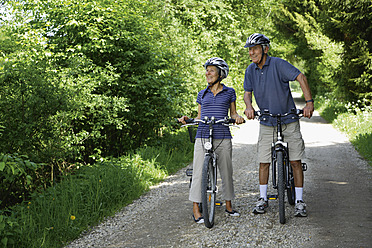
(298, 178)
(300, 208)
(264, 179)
(262, 202)
(264, 156)
(298, 173)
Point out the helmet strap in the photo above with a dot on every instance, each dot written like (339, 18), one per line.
(218, 80)
(263, 54)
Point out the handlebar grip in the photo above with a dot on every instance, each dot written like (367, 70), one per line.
(191, 120)
(231, 120)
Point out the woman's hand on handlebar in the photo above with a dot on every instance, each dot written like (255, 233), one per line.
(249, 112)
(239, 119)
(183, 119)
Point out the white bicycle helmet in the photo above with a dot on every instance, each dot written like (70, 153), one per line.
(257, 39)
(220, 64)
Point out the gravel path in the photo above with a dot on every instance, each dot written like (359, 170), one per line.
(337, 192)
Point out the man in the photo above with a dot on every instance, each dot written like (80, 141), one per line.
(268, 78)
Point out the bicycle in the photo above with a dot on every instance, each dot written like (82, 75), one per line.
(280, 162)
(209, 171)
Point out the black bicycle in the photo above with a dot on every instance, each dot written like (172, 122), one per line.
(282, 172)
(209, 172)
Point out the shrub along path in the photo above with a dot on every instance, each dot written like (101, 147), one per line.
(337, 192)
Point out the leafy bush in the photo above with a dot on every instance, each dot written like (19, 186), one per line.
(18, 179)
(357, 124)
(58, 214)
(89, 79)
(9, 230)
(61, 212)
(354, 119)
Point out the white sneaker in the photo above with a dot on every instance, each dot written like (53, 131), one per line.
(261, 206)
(232, 213)
(300, 209)
(200, 220)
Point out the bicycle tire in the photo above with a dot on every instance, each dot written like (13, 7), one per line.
(281, 185)
(291, 193)
(208, 192)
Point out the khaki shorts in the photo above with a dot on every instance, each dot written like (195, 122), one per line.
(292, 135)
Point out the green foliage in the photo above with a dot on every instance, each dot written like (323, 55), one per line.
(18, 177)
(86, 82)
(354, 119)
(329, 108)
(334, 40)
(350, 22)
(170, 151)
(81, 200)
(91, 79)
(9, 230)
(57, 215)
(357, 124)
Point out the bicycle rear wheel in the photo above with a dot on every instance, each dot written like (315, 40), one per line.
(281, 185)
(208, 192)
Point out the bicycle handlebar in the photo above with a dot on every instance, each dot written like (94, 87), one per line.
(208, 121)
(298, 112)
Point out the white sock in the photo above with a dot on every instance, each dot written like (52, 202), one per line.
(299, 192)
(263, 191)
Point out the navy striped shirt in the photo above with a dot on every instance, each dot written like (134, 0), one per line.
(217, 106)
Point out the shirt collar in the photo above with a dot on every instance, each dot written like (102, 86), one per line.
(224, 87)
(267, 62)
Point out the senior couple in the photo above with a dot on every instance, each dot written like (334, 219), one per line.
(268, 78)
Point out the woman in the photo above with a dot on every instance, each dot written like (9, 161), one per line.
(215, 101)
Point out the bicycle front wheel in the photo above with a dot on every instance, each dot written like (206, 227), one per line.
(281, 185)
(208, 192)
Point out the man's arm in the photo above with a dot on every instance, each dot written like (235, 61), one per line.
(309, 108)
(249, 110)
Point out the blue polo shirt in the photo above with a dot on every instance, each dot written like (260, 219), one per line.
(217, 106)
(270, 86)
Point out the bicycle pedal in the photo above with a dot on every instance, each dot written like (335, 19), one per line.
(272, 197)
(189, 172)
(304, 167)
(219, 203)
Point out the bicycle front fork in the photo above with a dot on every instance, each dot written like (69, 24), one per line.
(288, 171)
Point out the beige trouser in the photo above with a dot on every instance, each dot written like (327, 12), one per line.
(292, 135)
(224, 164)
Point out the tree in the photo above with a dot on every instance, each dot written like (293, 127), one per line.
(334, 41)
(94, 78)
(350, 22)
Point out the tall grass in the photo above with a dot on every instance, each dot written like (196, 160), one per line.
(55, 216)
(354, 119)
